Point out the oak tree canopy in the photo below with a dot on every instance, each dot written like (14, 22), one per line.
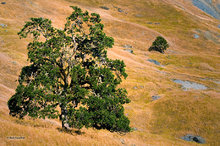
(70, 76)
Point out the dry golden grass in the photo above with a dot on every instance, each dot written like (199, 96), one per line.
(160, 122)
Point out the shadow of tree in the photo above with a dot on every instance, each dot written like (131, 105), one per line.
(71, 131)
(32, 123)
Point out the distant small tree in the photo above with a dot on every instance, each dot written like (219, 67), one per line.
(70, 76)
(160, 45)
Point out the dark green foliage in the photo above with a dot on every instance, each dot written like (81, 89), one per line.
(160, 45)
(69, 70)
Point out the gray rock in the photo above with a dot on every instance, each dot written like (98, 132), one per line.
(156, 23)
(14, 62)
(186, 85)
(127, 46)
(198, 31)
(3, 3)
(129, 50)
(207, 7)
(196, 36)
(219, 26)
(135, 87)
(169, 51)
(104, 7)
(3, 25)
(135, 129)
(122, 141)
(210, 36)
(217, 82)
(139, 15)
(190, 137)
(120, 10)
(218, 6)
(155, 97)
(162, 72)
(155, 62)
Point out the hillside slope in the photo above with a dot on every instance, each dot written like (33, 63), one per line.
(210, 7)
(194, 55)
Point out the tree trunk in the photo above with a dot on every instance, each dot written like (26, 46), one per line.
(63, 117)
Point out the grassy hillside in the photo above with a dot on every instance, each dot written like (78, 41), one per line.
(159, 122)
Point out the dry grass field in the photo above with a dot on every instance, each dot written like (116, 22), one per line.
(160, 122)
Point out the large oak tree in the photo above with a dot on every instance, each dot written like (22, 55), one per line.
(70, 76)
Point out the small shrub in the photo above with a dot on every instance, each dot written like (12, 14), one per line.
(160, 45)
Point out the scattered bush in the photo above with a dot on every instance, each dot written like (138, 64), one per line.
(160, 45)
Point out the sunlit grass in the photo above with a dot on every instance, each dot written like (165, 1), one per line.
(160, 122)
(183, 114)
